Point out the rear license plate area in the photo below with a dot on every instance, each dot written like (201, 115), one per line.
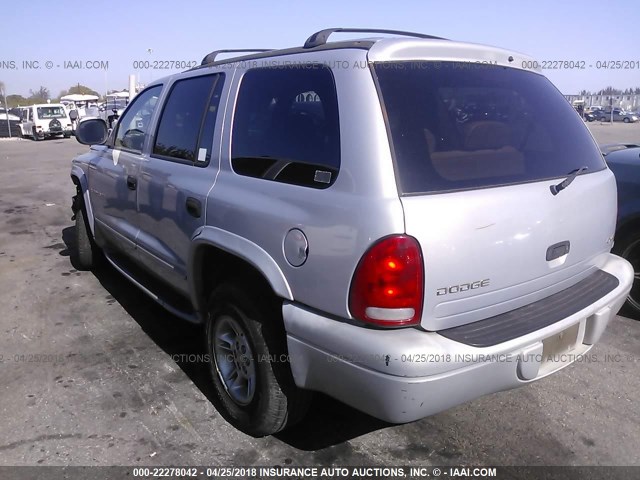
(558, 349)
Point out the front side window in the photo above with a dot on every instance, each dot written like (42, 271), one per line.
(286, 126)
(134, 124)
(456, 126)
(185, 130)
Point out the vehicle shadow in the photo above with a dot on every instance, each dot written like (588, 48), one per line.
(331, 421)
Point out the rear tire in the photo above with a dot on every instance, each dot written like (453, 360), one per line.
(85, 253)
(248, 361)
(628, 247)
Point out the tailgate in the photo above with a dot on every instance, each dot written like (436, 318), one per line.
(492, 250)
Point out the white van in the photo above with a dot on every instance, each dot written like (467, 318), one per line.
(45, 120)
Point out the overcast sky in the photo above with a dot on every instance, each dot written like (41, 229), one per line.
(121, 33)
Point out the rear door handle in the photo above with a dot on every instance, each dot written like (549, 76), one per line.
(194, 207)
(132, 182)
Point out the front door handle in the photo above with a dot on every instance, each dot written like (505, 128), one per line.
(132, 182)
(194, 207)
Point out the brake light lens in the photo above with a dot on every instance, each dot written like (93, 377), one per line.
(387, 287)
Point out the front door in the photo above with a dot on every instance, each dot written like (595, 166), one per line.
(114, 176)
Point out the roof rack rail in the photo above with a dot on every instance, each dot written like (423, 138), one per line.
(321, 37)
(211, 57)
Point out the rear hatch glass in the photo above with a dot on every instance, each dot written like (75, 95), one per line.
(460, 125)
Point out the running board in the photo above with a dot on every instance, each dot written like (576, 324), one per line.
(191, 317)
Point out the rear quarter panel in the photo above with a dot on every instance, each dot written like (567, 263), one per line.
(340, 222)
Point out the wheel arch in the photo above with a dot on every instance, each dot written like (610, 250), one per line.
(79, 179)
(217, 255)
(628, 225)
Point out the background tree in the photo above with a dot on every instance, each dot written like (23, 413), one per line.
(77, 89)
(610, 91)
(3, 95)
(17, 101)
(39, 96)
(81, 90)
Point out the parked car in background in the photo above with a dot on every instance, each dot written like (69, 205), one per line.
(618, 116)
(9, 124)
(588, 117)
(45, 120)
(624, 162)
(111, 110)
(8, 116)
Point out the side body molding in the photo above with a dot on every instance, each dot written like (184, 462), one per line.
(83, 183)
(241, 248)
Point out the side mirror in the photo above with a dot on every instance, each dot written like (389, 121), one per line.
(73, 115)
(92, 131)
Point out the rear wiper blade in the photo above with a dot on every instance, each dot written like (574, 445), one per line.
(555, 189)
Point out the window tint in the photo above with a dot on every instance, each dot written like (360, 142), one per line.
(134, 124)
(286, 126)
(460, 125)
(192, 104)
(51, 112)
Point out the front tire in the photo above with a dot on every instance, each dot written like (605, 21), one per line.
(85, 253)
(628, 247)
(249, 363)
(626, 120)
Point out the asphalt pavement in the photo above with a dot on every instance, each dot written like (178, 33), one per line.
(92, 372)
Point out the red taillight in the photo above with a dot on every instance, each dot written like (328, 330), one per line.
(388, 283)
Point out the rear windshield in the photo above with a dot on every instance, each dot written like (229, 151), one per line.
(460, 125)
(51, 112)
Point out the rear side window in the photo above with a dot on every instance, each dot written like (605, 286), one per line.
(458, 126)
(185, 130)
(286, 126)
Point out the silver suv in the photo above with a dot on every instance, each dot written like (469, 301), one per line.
(403, 223)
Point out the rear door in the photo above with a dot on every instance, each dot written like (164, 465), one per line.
(113, 175)
(175, 180)
(27, 119)
(477, 151)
